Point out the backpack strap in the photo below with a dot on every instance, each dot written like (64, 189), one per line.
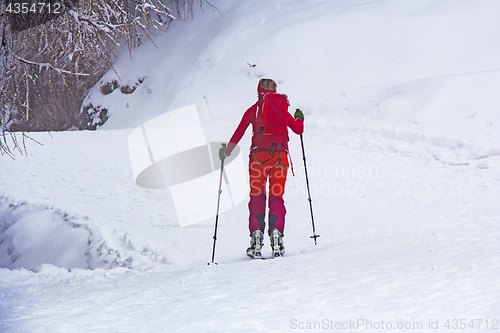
(288, 154)
(259, 110)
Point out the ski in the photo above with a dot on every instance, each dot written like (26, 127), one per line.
(262, 257)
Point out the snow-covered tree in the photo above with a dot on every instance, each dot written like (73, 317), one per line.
(47, 68)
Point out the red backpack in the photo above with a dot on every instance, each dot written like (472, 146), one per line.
(272, 115)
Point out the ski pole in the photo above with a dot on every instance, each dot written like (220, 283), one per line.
(218, 203)
(308, 191)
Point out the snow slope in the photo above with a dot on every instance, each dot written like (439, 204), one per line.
(403, 158)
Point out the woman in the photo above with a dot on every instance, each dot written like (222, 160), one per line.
(268, 160)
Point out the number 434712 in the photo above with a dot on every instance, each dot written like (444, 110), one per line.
(33, 8)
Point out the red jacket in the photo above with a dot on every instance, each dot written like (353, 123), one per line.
(263, 140)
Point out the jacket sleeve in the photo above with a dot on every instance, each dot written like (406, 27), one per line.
(246, 120)
(296, 125)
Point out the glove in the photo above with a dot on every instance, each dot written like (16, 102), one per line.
(298, 114)
(223, 154)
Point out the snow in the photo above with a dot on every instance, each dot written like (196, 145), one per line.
(403, 153)
(39, 236)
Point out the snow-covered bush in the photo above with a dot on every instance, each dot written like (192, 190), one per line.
(47, 69)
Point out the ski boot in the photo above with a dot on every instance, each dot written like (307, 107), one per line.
(277, 243)
(256, 243)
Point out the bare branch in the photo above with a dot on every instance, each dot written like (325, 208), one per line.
(48, 65)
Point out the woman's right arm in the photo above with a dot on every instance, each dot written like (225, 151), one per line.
(246, 120)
